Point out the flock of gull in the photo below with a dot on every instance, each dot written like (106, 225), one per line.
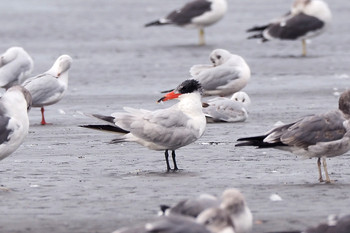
(317, 136)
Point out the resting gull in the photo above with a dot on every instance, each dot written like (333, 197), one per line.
(335, 224)
(49, 88)
(306, 19)
(228, 73)
(316, 136)
(221, 109)
(15, 66)
(191, 207)
(195, 14)
(14, 123)
(232, 201)
(213, 220)
(163, 129)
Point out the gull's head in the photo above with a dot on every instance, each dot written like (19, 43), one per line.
(186, 87)
(10, 54)
(219, 56)
(241, 97)
(62, 64)
(233, 201)
(216, 220)
(299, 6)
(344, 102)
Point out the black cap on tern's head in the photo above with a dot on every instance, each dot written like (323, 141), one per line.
(186, 87)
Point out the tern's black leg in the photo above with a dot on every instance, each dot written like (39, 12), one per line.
(174, 160)
(167, 160)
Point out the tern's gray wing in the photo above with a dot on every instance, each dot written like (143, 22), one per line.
(217, 77)
(313, 129)
(225, 110)
(45, 89)
(191, 10)
(175, 224)
(165, 127)
(294, 27)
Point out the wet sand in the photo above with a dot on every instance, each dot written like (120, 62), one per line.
(69, 179)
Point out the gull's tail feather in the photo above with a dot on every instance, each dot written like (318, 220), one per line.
(256, 36)
(259, 34)
(258, 141)
(157, 22)
(109, 128)
(117, 140)
(258, 28)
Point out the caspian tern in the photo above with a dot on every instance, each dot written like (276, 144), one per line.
(195, 14)
(306, 19)
(15, 66)
(14, 123)
(316, 136)
(49, 88)
(228, 73)
(163, 129)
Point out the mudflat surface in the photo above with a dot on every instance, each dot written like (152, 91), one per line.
(68, 179)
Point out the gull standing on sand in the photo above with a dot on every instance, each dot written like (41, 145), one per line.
(163, 129)
(316, 136)
(221, 109)
(195, 14)
(212, 220)
(15, 66)
(14, 123)
(49, 88)
(232, 201)
(306, 19)
(228, 74)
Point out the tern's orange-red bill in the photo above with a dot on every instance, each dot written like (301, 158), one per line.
(169, 96)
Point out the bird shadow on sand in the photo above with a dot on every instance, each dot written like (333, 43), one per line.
(149, 173)
(290, 56)
(316, 184)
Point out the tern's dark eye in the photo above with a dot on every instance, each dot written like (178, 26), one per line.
(218, 56)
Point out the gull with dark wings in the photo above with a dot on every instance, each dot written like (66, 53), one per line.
(195, 14)
(318, 136)
(306, 19)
